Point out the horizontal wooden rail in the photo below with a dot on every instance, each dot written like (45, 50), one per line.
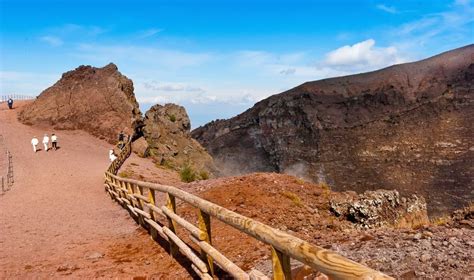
(284, 246)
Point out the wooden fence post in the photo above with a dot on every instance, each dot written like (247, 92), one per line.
(281, 265)
(171, 204)
(152, 199)
(140, 205)
(205, 226)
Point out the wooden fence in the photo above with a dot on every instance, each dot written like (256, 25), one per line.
(4, 98)
(140, 199)
(7, 178)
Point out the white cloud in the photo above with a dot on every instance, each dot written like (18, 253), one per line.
(445, 29)
(52, 41)
(288, 71)
(363, 56)
(71, 29)
(388, 9)
(462, 2)
(171, 87)
(149, 33)
(260, 58)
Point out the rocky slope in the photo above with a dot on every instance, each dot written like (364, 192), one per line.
(98, 100)
(407, 127)
(167, 133)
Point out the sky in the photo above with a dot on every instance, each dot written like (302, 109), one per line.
(218, 58)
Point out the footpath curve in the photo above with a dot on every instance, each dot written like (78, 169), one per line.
(56, 222)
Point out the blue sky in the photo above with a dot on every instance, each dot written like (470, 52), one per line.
(217, 58)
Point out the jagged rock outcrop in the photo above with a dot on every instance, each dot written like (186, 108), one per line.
(167, 132)
(407, 127)
(100, 101)
(380, 208)
(463, 217)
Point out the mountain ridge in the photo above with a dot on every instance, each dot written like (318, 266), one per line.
(319, 129)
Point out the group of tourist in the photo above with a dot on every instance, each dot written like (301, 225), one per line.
(46, 140)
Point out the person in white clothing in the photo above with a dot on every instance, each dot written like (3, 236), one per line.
(54, 142)
(112, 156)
(34, 142)
(46, 142)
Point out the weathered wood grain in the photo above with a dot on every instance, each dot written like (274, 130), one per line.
(281, 265)
(185, 224)
(221, 260)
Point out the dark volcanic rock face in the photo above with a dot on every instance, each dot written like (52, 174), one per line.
(407, 127)
(98, 100)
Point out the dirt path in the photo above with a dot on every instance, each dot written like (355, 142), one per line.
(57, 221)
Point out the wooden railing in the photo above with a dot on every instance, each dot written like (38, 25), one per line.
(7, 178)
(4, 98)
(140, 199)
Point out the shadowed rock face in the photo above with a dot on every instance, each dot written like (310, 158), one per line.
(407, 127)
(98, 100)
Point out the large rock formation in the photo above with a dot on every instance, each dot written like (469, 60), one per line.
(98, 100)
(167, 132)
(407, 127)
(380, 208)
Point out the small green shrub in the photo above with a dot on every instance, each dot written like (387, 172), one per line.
(126, 174)
(187, 174)
(168, 164)
(172, 118)
(293, 197)
(299, 181)
(204, 175)
(440, 221)
(165, 164)
(325, 186)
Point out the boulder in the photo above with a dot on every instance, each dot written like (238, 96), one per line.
(140, 147)
(167, 132)
(380, 208)
(100, 101)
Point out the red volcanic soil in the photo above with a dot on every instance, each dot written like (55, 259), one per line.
(57, 221)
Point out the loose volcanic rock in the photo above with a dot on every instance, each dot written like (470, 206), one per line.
(98, 100)
(380, 208)
(407, 127)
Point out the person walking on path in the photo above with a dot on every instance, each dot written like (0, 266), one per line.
(121, 139)
(46, 142)
(34, 142)
(54, 142)
(10, 103)
(112, 156)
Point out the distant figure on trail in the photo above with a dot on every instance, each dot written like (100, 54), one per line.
(34, 142)
(10, 103)
(112, 156)
(54, 142)
(46, 142)
(121, 140)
